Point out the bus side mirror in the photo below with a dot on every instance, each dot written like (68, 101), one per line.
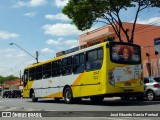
(107, 45)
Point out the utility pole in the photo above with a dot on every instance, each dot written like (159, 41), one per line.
(20, 78)
(37, 54)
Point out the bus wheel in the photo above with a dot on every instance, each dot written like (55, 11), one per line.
(150, 95)
(97, 99)
(68, 97)
(34, 99)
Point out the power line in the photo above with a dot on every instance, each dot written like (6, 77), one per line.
(143, 27)
(148, 31)
(141, 14)
(149, 25)
(45, 55)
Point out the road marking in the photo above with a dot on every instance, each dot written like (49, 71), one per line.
(116, 118)
(6, 108)
(29, 109)
(105, 118)
(2, 106)
(10, 109)
(137, 118)
(6, 100)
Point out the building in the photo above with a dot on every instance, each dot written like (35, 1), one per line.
(144, 36)
(12, 84)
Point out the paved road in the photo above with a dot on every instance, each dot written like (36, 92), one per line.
(109, 104)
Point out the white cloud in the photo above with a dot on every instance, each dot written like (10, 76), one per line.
(154, 20)
(66, 43)
(53, 42)
(37, 2)
(31, 3)
(12, 61)
(7, 35)
(61, 3)
(60, 29)
(71, 43)
(59, 16)
(46, 50)
(12, 53)
(20, 4)
(31, 14)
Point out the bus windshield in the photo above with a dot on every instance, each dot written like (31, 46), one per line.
(125, 53)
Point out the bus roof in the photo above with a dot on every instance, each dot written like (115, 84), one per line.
(67, 55)
(72, 53)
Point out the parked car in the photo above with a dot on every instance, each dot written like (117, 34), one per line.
(7, 94)
(16, 93)
(151, 90)
(152, 87)
(12, 94)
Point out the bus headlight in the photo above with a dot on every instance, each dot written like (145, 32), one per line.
(111, 78)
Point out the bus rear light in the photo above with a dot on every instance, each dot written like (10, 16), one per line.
(156, 85)
(111, 78)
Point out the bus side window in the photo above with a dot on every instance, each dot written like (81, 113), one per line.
(47, 70)
(39, 72)
(91, 56)
(94, 59)
(78, 63)
(67, 66)
(25, 77)
(56, 68)
(32, 74)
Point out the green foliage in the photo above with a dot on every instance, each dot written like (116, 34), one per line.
(3, 79)
(86, 12)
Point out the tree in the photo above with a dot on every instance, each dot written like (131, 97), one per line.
(3, 79)
(86, 12)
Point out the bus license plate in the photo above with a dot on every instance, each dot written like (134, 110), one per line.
(128, 84)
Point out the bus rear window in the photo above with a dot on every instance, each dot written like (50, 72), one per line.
(125, 53)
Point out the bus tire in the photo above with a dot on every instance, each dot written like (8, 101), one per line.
(34, 99)
(97, 99)
(68, 96)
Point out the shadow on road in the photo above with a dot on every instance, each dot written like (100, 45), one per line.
(106, 102)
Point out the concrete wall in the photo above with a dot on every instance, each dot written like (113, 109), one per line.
(144, 36)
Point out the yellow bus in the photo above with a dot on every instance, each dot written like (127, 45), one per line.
(104, 70)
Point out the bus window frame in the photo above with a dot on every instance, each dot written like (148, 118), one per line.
(47, 72)
(86, 60)
(123, 62)
(55, 69)
(79, 63)
(31, 74)
(25, 77)
(64, 67)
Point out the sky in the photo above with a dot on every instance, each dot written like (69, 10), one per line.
(39, 25)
